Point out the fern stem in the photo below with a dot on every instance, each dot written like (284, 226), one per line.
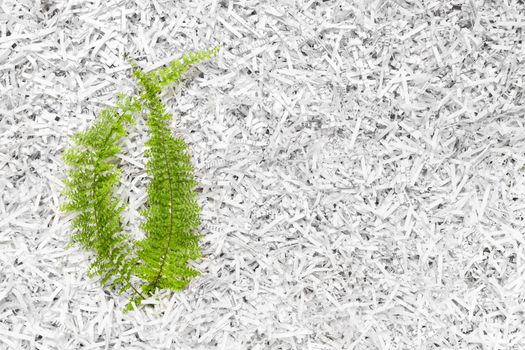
(136, 290)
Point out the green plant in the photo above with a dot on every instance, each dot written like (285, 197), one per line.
(90, 189)
(160, 260)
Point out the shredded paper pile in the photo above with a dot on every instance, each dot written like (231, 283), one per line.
(361, 170)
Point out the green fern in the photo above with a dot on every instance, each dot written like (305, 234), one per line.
(173, 212)
(160, 260)
(90, 189)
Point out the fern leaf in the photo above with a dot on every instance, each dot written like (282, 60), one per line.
(173, 214)
(89, 189)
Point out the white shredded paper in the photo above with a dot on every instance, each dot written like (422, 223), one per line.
(361, 169)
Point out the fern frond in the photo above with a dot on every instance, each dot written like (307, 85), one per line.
(175, 69)
(90, 186)
(173, 214)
